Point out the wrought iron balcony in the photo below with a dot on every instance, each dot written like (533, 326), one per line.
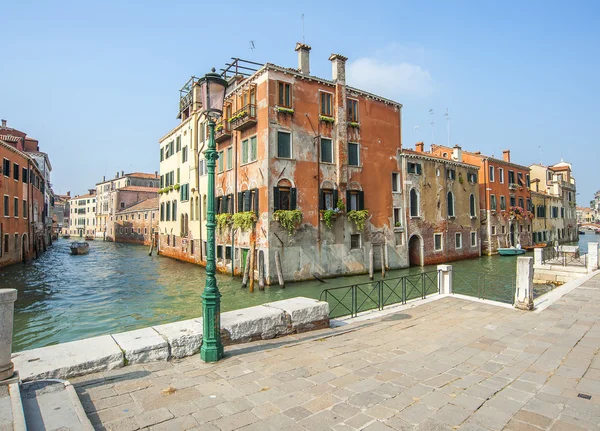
(243, 118)
(222, 131)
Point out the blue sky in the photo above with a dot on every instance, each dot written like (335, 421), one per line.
(97, 82)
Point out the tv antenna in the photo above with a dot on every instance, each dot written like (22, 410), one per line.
(252, 46)
(303, 40)
(447, 115)
(432, 125)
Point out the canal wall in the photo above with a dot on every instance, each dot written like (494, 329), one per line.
(169, 341)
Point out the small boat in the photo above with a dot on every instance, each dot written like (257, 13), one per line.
(89, 238)
(512, 251)
(66, 236)
(79, 248)
(581, 232)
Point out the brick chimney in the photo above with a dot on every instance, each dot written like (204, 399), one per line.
(155, 174)
(340, 126)
(303, 58)
(419, 147)
(506, 155)
(3, 123)
(338, 63)
(69, 193)
(457, 153)
(122, 173)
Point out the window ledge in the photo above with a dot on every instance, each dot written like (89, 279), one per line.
(327, 163)
(398, 229)
(285, 158)
(473, 217)
(452, 217)
(415, 217)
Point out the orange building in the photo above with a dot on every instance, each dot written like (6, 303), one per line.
(504, 197)
(290, 141)
(136, 224)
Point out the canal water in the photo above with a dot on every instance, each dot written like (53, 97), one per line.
(118, 287)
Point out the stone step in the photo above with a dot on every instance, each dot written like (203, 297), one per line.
(53, 405)
(11, 409)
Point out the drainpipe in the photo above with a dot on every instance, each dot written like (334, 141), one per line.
(318, 141)
(235, 196)
(486, 170)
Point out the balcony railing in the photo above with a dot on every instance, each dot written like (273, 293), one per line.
(222, 131)
(243, 118)
(512, 186)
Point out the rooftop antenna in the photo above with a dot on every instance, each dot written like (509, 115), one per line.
(252, 46)
(447, 115)
(303, 41)
(540, 147)
(432, 124)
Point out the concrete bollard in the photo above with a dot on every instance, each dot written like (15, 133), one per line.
(7, 310)
(592, 259)
(444, 279)
(538, 256)
(524, 289)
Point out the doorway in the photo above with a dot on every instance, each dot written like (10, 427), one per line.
(415, 251)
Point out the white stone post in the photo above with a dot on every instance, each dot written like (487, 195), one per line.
(524, 289)
(7, 308)
(538, 256)
(445, 279)
(592, 257)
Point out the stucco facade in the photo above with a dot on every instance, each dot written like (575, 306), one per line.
(441, 201)
(83, 215)
(138, 223)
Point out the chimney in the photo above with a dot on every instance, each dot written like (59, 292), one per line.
(155, 174)
(303, 58)
(506, 155)
(69, 194)
(3, 123)
(419, 147)
(338, 64)
(457, 153)
(117, 175)
(122, 173)
(103, 178)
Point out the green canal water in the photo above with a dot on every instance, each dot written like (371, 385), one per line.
(118, 287)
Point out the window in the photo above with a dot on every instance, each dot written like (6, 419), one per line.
(474, 238)
(25, 208)
(493, 230)
(520, 178)
(353, 154)
(184, 192)
(6, 203)
(355, 200)
(352, 110)
(228, 252)
(202, 169)
(245, 151)
(521, 203)
(397, 217)
(168, 212)
(326, 150)
(328, 199)
(502, 203)
(451, 174)
(184, 154)
(395, 182)
(5, 243)
(528, 179)
(437, 242)
(174, 210)
(414, 203)
(493, 202)
(471, 177)
(221, 161)
(6, 168)
(354, 241)
(16, 172)
(326, 108)
(284, 198)
(501, 175)
(25, 175)
(284, 145)
(472, 208)
(491, 174)
(458, 240)
(503, 229)
(178, 175)
(178, 140)
(511, 177)
(513, 201)
(253, 149)
(229, 158)
(16, 207)
(284, 97)
(162, 154)
(450, 205)
(414, 168)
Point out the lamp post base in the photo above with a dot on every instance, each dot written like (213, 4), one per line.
(212, 348)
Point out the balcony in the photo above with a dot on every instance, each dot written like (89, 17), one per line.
(222, 131)
(244, 118)
(512, 186)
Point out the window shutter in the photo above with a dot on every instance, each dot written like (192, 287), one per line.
(240, 201)
(217, 205)
(321, 199)
(275, 198)
(247, 198)
(335, 198)
(361, 200)
(255, 201)
(293, 198)
(348, 200)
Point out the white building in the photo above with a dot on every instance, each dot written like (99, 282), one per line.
(83, 215)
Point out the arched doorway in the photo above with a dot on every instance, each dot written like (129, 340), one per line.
(415, 251)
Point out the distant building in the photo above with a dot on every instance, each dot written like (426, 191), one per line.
(83, 214)
(137, 223)
(441, 197)
(504, 199)
(60, 213)
(585, 215)
(546, 211)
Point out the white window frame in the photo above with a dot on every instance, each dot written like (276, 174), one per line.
(321, 152)
(458, 236)
(358, 153)
(396, 182)
(474, 233)
(441, 235)
(277, 143)
(332, 103)
(491, 173)
(501, 175)
(399, 220)
(494, 230)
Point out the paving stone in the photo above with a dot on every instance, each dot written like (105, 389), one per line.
(542, 408)
(321, 421)
(298, 413)
(489, 417)
(153, 417)
(358, 421)
(238, 420)
(416, 413)
(180, 423)
(452, 415)
(365, 400)
(205, 415)
(377, 426)
(380, 412)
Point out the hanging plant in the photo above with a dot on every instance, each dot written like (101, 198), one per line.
(244, 220)
(359, 217)
(288, 219)
(354, 124)
(176, 186)
(328, 217)
(460, 179)
(326, 118)
(340, 205)
(222, 220)
(284, 110)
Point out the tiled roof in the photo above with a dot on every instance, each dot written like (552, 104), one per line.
(139, 189)
(436, 157)
(147, 204)
(142, 175)
(83, 196)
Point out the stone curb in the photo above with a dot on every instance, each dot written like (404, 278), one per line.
(172, 340)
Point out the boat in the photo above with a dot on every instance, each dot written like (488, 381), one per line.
(512, 251)
(66, 236)
(581, 232)
(79, 248)
(89, 238)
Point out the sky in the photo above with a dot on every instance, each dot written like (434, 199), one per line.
(97, 83)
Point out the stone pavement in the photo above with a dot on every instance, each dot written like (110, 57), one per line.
(446, 365)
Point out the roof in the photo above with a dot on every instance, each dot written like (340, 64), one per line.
(145, 205)
(142, 175)
(88, 195)
(437, 158)
(138, 189)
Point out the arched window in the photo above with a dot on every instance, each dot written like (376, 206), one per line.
(472, 205)
(450, 204)
(414, 203)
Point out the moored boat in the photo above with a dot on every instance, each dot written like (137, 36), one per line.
(79, 248)
(581, 232)
(66, 236)
(89, 238)
(510, 251)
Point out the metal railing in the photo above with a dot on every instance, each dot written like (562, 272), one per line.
(485, 286)
(555, 256)
(248, 112)
(375, 295)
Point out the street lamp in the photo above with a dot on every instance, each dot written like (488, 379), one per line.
(212, 94)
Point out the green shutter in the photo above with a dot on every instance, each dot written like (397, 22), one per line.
(361, 200)
(240, 201)
(293, 199)
(245, 151)
(275, 198)
(253, 149)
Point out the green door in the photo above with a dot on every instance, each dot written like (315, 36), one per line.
(244, 257)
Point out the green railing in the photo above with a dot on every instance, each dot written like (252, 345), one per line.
(485, 286)
(375, 295)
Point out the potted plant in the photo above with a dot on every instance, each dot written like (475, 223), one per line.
(359, 217)
(223, 220)
(244, 220)
(288, 219)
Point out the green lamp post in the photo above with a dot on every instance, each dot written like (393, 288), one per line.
(212, 91)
